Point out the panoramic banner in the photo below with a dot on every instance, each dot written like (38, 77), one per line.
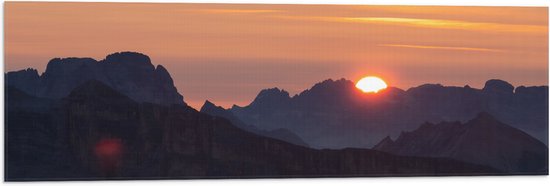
(133, 91)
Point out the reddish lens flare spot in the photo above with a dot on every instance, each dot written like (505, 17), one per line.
(108, 151)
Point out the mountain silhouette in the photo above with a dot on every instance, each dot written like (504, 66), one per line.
(482, 140)
(335, 114)
(122, 118)
(280, 134)
(131, 73)
(96, 132)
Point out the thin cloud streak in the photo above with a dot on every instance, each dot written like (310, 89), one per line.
(443, 48)
(236, 11)
(452, 24)
(429, 23)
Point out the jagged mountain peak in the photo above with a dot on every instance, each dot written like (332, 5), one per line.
(332, 84)
(164, 76)
(498, 86)
(161, 69)
(209, 107)
(73, 60)
(386, 142)
(207, 103)
(328, 90)
(130, 73)
(57, 66)
(129, 60)
(428, 87)
(28, 71)
(273, 92)
(127, 57)
(271, 97)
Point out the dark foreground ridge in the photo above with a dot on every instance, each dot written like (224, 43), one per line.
(130, 73)
(98, 133)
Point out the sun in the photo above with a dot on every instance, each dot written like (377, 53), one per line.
(371, 84)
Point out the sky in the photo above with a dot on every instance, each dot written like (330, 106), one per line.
(227, 53)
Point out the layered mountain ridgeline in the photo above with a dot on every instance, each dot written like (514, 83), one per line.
(335, 114)
(98, 133)
(280, 134)
(131, 73)
(482, 140)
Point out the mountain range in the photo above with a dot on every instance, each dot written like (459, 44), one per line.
(98, 133)
(335, 114)
(121, 118)
(131, 73)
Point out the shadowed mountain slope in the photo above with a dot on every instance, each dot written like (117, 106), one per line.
(482, 140)
(280, 134)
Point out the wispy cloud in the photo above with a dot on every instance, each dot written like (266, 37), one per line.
(450, 24)
(443, 47)
(237, 11)
(430, 23)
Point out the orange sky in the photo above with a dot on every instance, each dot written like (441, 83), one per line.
(228, 52)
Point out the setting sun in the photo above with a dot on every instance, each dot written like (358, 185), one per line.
(371, 84)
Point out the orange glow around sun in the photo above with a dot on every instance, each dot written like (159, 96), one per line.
(371, 84)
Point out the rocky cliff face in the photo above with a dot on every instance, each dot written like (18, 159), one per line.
(131, 73)
(482, 140)
(334, 114)
(98, 133)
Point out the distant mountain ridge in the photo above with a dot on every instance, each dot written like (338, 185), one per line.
(280, 134)
(131, 73)
(335, 114)
(482, 140)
